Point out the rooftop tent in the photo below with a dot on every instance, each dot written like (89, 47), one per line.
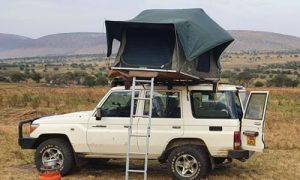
(187, 41)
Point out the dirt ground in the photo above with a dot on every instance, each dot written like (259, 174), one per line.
(281, 159)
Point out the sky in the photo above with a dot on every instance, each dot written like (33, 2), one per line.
(36, 18)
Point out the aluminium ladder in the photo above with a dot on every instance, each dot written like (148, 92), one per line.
(147, 135)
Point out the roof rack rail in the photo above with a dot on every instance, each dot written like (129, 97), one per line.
(121, 82)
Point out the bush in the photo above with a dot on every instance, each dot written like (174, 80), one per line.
(36, 77)
(226, 74)
(27, 71)
(245, 77)
(3, 79)
(259, 84)
(262, 76)
(101, 79)
(17, 77)
(90, 81)
(282, 80)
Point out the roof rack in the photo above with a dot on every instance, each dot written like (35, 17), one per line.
(122, 75)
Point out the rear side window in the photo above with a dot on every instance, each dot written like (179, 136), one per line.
(256, 104)
(164, 105)
(208, 104)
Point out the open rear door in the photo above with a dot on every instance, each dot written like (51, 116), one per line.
(252, 130)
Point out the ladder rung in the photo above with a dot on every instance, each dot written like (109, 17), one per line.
(142, 98)
(144, 81)
(143, 116)
(138, 153)
(139, 135)
(136, 171)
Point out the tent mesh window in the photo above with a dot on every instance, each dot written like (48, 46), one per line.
(203, 64)
(149, 47)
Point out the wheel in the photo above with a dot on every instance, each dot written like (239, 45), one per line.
(188, 162)
(55, 149)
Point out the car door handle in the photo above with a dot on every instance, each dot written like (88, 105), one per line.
(215, 128)
(101, 126)
(251, 133)
(176, 127)
(126, 126)
(257, 123)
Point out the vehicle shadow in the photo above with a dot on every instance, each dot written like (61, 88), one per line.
(115, 169)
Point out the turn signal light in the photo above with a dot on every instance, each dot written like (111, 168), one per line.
(33, 127)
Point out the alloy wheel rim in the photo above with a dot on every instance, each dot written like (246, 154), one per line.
(53, 154)
(186, 165)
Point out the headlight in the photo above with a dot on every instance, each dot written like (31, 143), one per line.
(33, 127)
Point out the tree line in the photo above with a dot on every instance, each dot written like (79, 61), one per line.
(68, 78)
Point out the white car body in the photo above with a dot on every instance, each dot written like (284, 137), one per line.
(107, 138)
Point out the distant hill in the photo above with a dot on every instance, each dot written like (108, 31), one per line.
(95, 43)
(56, 44)
(263, 41)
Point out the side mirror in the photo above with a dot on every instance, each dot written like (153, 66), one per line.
(98, 114)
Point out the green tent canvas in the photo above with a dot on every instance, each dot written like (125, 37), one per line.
(186, 41)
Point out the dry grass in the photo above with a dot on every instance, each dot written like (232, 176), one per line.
(280, 161)
(251, 61)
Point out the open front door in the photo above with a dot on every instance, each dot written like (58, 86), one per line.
(252, 130)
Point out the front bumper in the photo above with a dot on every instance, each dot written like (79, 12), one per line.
(26, 142)
(239, 154)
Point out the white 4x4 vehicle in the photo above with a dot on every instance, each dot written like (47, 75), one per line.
(193, 129)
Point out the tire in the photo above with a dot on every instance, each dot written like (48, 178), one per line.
(62, 151)
(193, 158)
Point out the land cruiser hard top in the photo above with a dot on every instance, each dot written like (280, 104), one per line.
(193, 128)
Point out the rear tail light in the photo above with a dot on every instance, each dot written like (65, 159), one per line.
(237, 140)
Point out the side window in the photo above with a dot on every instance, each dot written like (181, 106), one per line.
(208, 104)
(118, 104)
(256, 104)
(165, 105)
